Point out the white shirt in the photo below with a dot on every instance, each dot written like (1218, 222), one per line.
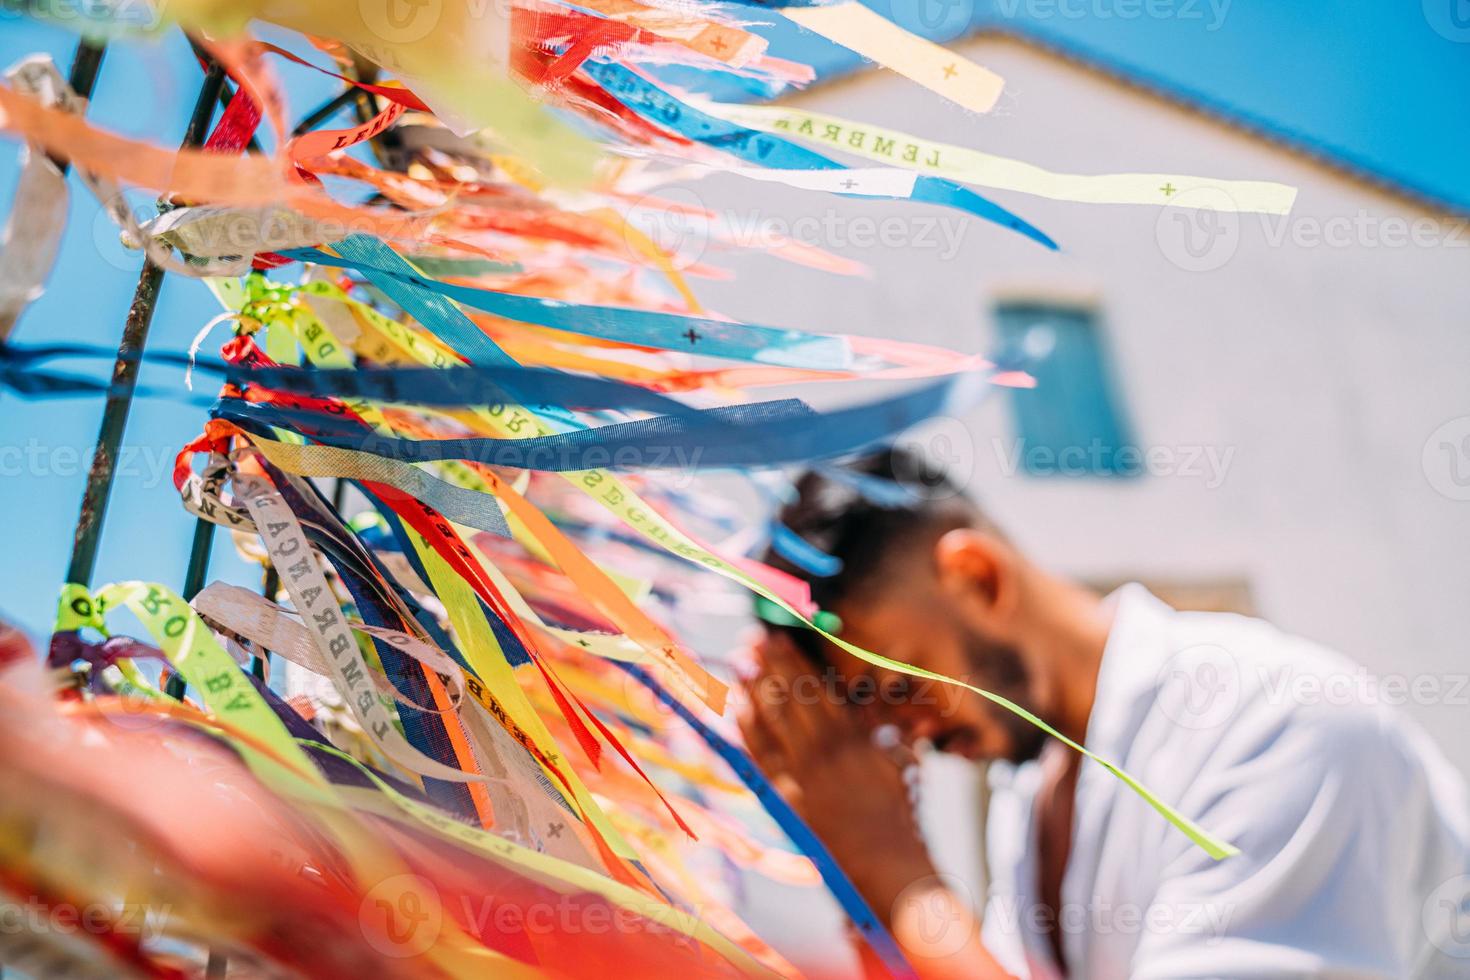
(1354, 829)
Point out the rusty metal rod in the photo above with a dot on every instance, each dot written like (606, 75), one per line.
(125, 374)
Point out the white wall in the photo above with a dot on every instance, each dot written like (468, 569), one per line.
(1321, 351)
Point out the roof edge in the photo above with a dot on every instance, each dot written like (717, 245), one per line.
(1331, 157)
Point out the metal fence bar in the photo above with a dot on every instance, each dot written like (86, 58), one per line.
(85, 66)
(125, 373)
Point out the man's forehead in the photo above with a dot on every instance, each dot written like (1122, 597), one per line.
(896, 605)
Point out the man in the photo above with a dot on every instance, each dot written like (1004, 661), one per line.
(1353, 830)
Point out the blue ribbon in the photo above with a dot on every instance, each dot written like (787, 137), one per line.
(394, 276)
(753, 146)
(873, 489)
(762, 434)
(838, 883)
(539, 389)
(646, 328)
(802, 553)
(543, 389)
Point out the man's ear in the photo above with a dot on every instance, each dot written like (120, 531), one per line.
(979, 572)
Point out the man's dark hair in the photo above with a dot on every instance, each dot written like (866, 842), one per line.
(867, 514)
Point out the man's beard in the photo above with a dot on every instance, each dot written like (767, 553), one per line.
(1000, 670)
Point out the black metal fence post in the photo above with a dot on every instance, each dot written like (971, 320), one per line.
(85, 66)
(125, 373)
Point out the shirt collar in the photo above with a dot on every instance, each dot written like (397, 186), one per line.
(1134, 654)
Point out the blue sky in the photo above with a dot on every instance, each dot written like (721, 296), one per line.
(145, 91)
(1377, 82)
(1382, 82)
